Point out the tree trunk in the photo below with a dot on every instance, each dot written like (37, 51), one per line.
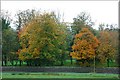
(108, 62)
(16, 63)
(30, 61)
(71, 59)
(27, 63)
(20, 63)
(36, 61)
(62, 58)
(61, 62)
(5, 57)
(12, 62)
(2, 60)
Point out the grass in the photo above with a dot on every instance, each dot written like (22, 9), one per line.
(111, 64)
(14, 62)
(68, 63)
(45, 75)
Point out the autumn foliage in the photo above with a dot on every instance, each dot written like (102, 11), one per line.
(106, 49)
(85, 44)
(42, 38)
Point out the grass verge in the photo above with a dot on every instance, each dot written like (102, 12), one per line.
(45, 75)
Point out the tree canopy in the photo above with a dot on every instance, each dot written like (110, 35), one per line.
(84, 46)
(42, 38)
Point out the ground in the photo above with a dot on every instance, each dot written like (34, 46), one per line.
(68, 63)
(60, 75)
(45, 75)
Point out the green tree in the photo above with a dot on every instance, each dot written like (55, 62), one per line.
(42, 38)
(9, 39)
(5, 20)
(82, 20)
(101, 27)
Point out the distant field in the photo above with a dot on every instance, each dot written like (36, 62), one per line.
(45, 75)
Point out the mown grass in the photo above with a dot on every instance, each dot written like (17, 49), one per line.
(57, 75)
(111, 64)
(14, 62)
(68, 63)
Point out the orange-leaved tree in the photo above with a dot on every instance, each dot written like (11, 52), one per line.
(106, 49)
(84, 47)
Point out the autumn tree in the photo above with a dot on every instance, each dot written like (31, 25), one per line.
(22, 18)
(106, 50)
(84, 47)
(42, 39)
(114, 42)
(83, 20)
(109, 37)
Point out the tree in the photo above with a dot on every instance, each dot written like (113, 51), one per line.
(9, 39)
(69, 40)
(5, 22)
(101, 27)
(105, 51)
(82, 20)
(111, 33)
(23, 17)
(107, 27)
(114, 42)
(42, 38)
(84, 46)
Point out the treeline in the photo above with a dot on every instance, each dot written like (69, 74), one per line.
(41, 39)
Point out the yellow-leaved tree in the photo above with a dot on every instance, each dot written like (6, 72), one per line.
(42, 40)
(84, 47)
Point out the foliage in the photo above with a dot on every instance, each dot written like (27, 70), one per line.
(9, 38)
(82, 20)
(23, 17)
(42, 38)
(105, 50)
(109, 42)
(45, 40)
(107, 27)
(85, 45)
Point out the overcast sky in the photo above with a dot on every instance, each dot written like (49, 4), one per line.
(100, 11)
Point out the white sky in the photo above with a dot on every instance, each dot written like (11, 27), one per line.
(100, 11)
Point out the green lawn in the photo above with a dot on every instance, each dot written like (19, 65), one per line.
(18, 63)
(111, 64)
(45, 75)
(68, 63)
